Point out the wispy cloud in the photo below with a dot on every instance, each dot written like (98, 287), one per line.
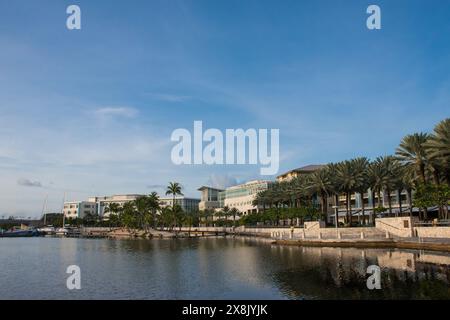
(107, 112)
(169, 97)
(156, 186)
(221, 181)
(29, 183)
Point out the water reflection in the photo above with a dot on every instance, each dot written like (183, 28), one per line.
(340, 273)
(214, 268)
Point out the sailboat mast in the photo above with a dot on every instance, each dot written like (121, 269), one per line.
(44, 209)
(62, 210)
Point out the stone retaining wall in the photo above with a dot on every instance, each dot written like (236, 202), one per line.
(432, 232)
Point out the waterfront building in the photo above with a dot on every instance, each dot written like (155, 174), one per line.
(79, 209)
(240, 196)
(209, 199)
(104, 201)
(399, 201)
(288, 176)
(187, 204)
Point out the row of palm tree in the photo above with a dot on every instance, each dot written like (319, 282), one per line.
(420, 159)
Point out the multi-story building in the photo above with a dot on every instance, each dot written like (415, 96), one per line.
(187, 204)
(240, 196)
(79, 209)
(399, 201)
(288, 176)
(104, 201)
(209, 199)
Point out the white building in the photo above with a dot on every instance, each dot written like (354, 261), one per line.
(240, 196)
(79, 209)
(104, 201)
(187, 204)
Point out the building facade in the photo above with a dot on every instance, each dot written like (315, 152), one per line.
(209, 199)
(79, 209)
(187, 204)
(240, 196)
(105, 201)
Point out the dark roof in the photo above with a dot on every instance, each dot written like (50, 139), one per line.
(305, 169)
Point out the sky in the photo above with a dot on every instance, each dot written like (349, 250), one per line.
(90, 112)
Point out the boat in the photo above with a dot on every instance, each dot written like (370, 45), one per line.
(48, 230)
(61, 231)
(15, 233)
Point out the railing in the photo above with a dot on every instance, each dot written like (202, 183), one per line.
(441, 223)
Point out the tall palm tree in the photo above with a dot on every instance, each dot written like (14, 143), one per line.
(320, 182)
(438, 147)
(348, 183)
(142, 206)
(234, 212)
(362, 182)
(408, 178)
(377, 176)
(412, 152)
(391, 168)
(153, 200)
(174, 189)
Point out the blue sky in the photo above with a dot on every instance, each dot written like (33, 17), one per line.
(91, 111)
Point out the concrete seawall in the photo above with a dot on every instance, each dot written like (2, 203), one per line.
(400, 244)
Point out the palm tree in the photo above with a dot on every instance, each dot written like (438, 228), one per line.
(438, 147)
(412, 152)
(174, 189)
(153, 200)
(320, 182)
(234, 212)
(408, 178)
(347, 180)
(361, 166)
(391, 168)
(377, 176)
(113, 208)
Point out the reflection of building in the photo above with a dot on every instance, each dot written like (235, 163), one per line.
(240, 196)
(79, 209)
(288, 176)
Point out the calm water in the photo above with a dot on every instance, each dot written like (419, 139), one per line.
(213, 268)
